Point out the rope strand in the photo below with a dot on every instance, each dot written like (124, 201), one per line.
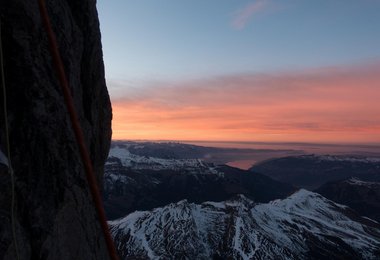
(58, 64)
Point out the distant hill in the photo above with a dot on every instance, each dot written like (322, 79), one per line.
(363, 197)
(312, 171)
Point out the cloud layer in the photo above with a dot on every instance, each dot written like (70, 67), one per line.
(242, 17)
(320, 105)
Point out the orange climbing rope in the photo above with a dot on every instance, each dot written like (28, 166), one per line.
(58, 64)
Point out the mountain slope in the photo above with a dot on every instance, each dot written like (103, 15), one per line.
(304, 225)
(364, 197)
(138, 161)
(311, 171)
(135, 182)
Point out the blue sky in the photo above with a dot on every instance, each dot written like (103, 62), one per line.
(162, 39)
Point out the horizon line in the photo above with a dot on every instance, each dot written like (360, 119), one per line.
(372, 144)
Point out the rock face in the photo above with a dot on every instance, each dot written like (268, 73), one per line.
(55, 217)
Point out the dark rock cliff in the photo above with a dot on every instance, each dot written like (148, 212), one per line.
(55, 217)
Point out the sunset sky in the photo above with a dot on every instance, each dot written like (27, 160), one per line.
(264, 70)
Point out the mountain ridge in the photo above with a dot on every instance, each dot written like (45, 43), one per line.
(242, 229)
(136, 182)
(362, 196)
(311, 171)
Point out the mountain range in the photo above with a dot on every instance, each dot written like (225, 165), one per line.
(164, 205)
(312, 171)
(303, 226)
(140, 182)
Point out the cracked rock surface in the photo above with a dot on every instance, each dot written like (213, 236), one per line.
(55, 217)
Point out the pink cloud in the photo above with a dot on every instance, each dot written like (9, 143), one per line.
(241, 17)
(331, 104)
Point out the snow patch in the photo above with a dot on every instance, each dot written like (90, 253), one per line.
(356, 181)
(138, 162)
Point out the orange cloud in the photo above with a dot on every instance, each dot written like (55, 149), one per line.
(326, 105)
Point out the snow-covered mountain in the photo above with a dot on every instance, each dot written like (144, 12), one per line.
(127, 190)
(143, 176)
(138, 161)
(303, 226)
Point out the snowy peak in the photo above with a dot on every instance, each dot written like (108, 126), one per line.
(304, 225)
(142, 162)
(303, 200)
(313, 215)
(163, 233)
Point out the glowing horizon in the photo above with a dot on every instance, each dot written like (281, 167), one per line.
(330, 105)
